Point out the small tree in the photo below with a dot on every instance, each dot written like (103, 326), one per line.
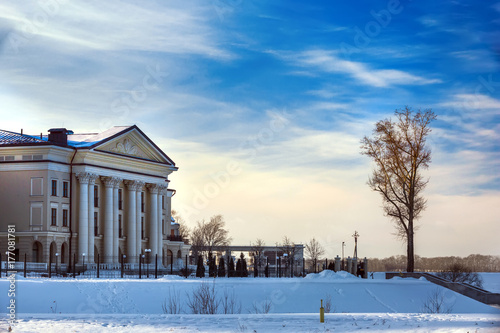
(258, 250)
(200, 269)
(241, 266)
(266, 271)
(222, 268)
(212, 267)
(314, 250)
(230, 268)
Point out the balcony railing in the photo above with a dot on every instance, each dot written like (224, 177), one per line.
(175, 238)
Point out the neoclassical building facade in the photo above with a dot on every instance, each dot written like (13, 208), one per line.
(88, 196)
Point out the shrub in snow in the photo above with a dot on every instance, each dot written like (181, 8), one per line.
(460, 273)
(436, 303)
(204, 299)
(230, 268)
(172, 305)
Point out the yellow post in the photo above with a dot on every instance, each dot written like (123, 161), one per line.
(321, 313)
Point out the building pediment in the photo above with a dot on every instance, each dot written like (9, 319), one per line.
(133, 143)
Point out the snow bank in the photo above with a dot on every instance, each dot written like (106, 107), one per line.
(331, 275)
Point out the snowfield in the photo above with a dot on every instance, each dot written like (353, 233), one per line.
(267, 305)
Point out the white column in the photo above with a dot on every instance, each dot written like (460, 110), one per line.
(83, 218)
(116, 240)
(109, 183)
(90, 256)
(160, 227)
(138, 219)
(131, 221)
(153, 219)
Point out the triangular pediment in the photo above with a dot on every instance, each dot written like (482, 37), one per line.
(132, 142)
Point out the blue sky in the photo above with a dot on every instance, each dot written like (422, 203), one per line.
(262, 106)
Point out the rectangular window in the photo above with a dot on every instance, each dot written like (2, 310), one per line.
(66, 189)
(54, 187)
(142, 227)
(120, 225)
(120, 199)
(65, 217)
(142, 202)
(163, 202)
(96, 196)
(162, 226)
(53, 217)
(96, 224)
(37, 186)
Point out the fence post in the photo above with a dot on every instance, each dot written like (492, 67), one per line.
(172, 263)
(156, 266)
(1, 266)
(187, 271)
(303, 267)
(50, 266)
(98, 265)
(140, 266)
(74, 265)
(121, 268)
(24, 265)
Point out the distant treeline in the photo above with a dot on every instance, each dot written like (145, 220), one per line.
(476, 262)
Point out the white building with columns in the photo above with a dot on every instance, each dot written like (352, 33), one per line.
(93, 196)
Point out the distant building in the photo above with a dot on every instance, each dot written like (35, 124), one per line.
(84, 195)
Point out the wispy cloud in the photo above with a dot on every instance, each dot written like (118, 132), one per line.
(95, 26)
(327, 61)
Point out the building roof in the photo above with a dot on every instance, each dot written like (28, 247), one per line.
(79, 140)
(11, 138)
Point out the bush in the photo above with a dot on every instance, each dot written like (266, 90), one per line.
(435, 303)
(204, 299)
(460, 273)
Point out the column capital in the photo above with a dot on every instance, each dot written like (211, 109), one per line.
(92, 178)
(83, 177)
(153, 188)
(161, 188)
(110, 181)
(133, 185)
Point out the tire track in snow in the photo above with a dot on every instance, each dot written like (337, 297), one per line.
(378, 300)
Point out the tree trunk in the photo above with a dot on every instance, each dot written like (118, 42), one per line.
(410, 252)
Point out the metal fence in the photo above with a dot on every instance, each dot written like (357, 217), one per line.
(140, 267)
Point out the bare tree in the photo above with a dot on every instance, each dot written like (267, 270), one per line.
(458, 272)
(258, 250)
(288, 248)
(399, 151)
(207, 236)
(314, 250)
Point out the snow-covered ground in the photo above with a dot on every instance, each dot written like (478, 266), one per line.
(122, 305)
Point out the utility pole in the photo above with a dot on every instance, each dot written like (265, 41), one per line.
(356, 235)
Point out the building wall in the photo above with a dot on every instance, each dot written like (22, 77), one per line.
(19, 205)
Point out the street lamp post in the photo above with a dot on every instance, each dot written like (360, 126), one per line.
(285, 255)
(148, 251)
(343, 245)
(83, 255)
(57, 255)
